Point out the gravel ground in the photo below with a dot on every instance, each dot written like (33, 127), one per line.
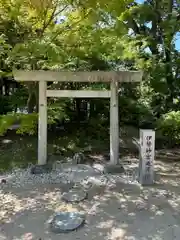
(63, 173)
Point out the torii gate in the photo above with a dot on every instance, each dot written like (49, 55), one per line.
(112, 77)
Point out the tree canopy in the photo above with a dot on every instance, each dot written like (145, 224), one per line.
(93, 35)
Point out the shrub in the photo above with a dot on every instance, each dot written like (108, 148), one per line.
(5, 122)
(5, 105)
(169, 126)
(28, 122)
(136, 113)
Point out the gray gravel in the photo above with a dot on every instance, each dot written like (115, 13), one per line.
(23, 177)
(64, 173)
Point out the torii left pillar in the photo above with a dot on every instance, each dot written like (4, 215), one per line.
(42, 126)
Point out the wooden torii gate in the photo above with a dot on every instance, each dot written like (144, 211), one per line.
(112, 77)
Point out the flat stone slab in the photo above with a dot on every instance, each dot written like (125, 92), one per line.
(69, 167)
(66, 221)
(114, 169)
(74, 195)
(41, 169)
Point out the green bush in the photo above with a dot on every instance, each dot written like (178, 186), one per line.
(5, 105)
(136, 113)
(169, 126)
(19, 98)
(28, 122)
(5, 122)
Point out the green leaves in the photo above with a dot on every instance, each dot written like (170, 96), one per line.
(169, 125)
(5, 122)
(36, 53)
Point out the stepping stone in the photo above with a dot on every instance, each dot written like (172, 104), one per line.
(41, 169)
(75, 195)
(64, 222)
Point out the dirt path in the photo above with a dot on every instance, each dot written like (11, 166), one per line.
(122, 211)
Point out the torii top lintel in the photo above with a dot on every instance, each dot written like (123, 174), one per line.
(70, 76)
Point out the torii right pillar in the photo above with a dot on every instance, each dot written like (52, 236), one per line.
(114, 165)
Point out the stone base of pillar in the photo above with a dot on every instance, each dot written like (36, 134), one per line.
(113, 169)
(41, 169)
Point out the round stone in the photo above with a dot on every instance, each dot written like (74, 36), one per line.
(74, 195)
(41, 169)
(64, 222)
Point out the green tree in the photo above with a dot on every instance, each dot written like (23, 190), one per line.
(153, 26)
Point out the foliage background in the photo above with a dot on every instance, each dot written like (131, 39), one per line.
(92, 35)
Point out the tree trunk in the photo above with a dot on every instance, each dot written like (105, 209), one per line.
(31, 102)
(168, 59)
(1, 90)
(6, 87)
(92, 109)
(78, 109)
(37, 97)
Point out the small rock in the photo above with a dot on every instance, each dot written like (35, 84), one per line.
(79, 158)
(98, 167)
(6, 141)
(141, 205)
(3, 181)
(74, 196)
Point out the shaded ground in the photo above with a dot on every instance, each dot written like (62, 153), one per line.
(122, 211)
(119, 211)
(17, 150)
